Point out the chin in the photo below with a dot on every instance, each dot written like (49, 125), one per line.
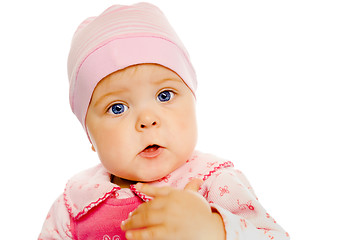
(153, 177)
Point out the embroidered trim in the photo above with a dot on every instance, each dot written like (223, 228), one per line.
(67, 205)
(223, 165)
(141, 195)
(90, 206)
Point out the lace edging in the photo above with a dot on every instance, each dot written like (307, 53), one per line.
(90, 206)
(141, 195)
(223, 165)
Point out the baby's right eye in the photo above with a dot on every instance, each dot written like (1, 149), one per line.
(117, 109)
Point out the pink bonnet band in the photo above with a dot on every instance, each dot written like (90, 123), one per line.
(120, 37)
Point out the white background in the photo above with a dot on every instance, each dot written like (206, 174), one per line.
(278, 94)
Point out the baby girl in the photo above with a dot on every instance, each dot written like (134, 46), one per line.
(132, 87)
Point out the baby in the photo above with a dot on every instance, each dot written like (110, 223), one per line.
(132, 87)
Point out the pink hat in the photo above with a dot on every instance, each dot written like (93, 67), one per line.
(120, 37)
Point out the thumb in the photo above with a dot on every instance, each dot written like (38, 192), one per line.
(194, 185)
(153, 191)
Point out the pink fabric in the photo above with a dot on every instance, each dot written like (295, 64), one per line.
(96, 225)
(226, 189)
(122, 36)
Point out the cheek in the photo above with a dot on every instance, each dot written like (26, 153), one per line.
(110, 139)
(189, 116)
(185, 123)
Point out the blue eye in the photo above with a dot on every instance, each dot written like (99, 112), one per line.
(117, 108)
(165, 96)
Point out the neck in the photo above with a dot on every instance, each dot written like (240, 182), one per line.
(123, 183)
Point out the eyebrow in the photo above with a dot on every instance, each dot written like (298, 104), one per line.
(97, 102)
(160, 81)
(163, 80)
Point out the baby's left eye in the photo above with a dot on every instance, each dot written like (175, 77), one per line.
(165, 96)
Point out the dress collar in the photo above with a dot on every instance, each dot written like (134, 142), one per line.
(93, 186)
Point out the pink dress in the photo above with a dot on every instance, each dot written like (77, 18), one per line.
(92, 207)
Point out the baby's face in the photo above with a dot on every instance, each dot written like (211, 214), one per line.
(142, 123)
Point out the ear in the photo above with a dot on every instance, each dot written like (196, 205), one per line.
(92, 147)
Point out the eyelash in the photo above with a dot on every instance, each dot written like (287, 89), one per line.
(124, 108)
(171, 96)
(111, 109)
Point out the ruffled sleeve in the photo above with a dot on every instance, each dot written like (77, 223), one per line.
(230, 194)
(57, 224)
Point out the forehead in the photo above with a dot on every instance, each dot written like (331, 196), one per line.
(138, 74)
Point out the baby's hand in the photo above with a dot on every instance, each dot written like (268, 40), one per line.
(174, 214)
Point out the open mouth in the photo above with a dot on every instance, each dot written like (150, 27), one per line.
(151, 151)
(153, 147)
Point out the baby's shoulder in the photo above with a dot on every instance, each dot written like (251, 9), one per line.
(89, 173)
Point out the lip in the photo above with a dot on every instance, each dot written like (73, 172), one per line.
(152, 151)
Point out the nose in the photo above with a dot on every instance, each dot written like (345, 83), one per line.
(147, 120)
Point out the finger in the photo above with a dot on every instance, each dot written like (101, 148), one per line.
(156, 232)
(155, 204)
(143, 219)
(153, 191)
(194, 185)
